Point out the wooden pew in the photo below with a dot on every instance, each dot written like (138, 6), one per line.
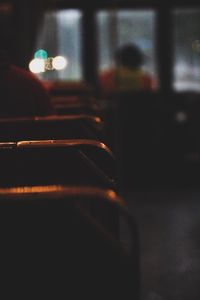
(65, 105)
(58, 88)
(69, 162)
(51, 127)
(51, 245)
(57, 161)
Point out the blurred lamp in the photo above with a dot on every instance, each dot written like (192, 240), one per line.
(41, 54)
(37, 65)
(49, 64)
(59, 62)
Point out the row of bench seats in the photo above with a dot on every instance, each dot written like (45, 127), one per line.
(60, 210)
(76, 105)
(51, 127)
(51, 246)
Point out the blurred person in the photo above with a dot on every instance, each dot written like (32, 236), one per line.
(127, 74)
(21, 92)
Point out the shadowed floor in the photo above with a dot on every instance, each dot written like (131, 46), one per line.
(169, 227)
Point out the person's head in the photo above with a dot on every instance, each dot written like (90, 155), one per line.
(129, 56)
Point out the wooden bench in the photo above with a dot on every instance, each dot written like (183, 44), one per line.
(51, 127)
(52, 246)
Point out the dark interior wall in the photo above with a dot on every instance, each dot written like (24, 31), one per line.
(6, 27)
(26, 18)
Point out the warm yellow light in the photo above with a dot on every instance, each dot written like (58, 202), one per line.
(37, 65)
(59, 62)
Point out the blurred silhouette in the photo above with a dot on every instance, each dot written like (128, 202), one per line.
(22, 94)
(127, 74)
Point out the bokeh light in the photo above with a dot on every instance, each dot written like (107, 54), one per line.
(37, 65)
(59, 62)
(41, 54)
(181, 117)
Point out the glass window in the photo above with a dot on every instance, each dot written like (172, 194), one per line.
(187, 49)
(60, 35)
(124, 27)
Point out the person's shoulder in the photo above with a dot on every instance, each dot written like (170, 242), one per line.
(107, 73)
(107, 80)
(23, 74)
(148, 81)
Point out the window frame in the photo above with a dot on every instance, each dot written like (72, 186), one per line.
(163, 33)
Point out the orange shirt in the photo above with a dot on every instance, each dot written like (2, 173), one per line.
(124, 79)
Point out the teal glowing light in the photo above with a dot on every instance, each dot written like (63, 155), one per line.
(41, 54)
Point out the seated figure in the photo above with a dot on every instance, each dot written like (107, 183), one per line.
(127, 75)
(22, 93)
